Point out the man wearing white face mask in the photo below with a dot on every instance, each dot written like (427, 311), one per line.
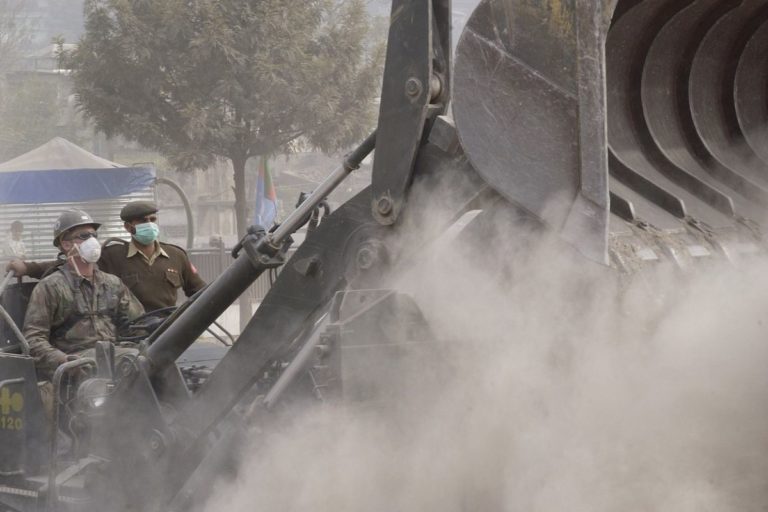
(78, 304)
(151, 269)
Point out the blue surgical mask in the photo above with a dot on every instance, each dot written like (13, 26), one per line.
(146, 233)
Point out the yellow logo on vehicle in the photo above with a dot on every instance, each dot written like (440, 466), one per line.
(10, 402)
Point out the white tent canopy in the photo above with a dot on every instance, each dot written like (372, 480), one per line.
(37, 186)
(57, 153)
(59, 171)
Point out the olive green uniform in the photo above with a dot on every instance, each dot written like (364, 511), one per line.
(153, 281)
(68, 314)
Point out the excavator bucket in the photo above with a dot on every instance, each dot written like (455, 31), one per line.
(602, 117)
(529, 106)
(635, 129)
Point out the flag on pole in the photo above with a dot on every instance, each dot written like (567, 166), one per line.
(266, 198)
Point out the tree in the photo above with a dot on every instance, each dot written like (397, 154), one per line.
(233, 79)
(34, 107)
(14, 34)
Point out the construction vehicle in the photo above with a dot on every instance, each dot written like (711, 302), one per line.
(633, 129)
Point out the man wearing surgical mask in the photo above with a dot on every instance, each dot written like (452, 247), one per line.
(154, 271)
(77, 304)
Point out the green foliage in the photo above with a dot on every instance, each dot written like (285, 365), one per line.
(200, 79)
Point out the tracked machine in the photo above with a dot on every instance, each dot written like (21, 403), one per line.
(634, 130)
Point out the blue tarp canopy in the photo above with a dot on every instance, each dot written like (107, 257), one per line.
(61, 172)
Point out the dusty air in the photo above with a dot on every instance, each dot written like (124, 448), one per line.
(409, 255)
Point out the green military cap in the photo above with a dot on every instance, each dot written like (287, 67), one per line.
(137, 210)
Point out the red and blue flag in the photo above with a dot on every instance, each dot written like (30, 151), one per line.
(266, 197)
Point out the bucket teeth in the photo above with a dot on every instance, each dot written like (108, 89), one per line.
(685, 122)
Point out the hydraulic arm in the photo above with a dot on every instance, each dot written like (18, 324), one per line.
(633, 129)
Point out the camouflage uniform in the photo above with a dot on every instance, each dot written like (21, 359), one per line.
(67, 314)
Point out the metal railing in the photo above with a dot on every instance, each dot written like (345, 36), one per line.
(210, 263)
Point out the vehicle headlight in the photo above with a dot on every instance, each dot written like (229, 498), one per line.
(98, 401)
(93, 393)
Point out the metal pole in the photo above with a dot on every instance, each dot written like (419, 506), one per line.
(7, 317)
(6, 280)
(297, 217)
(187, 208)
(236, 279)
(19, 336)
(201, 313)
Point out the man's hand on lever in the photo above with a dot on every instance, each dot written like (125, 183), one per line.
(17, 266)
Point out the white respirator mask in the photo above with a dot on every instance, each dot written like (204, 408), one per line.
(90, 250)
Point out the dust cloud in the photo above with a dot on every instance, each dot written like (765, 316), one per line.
(567, 389)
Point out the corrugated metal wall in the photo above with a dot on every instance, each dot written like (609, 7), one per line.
(38, 220)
